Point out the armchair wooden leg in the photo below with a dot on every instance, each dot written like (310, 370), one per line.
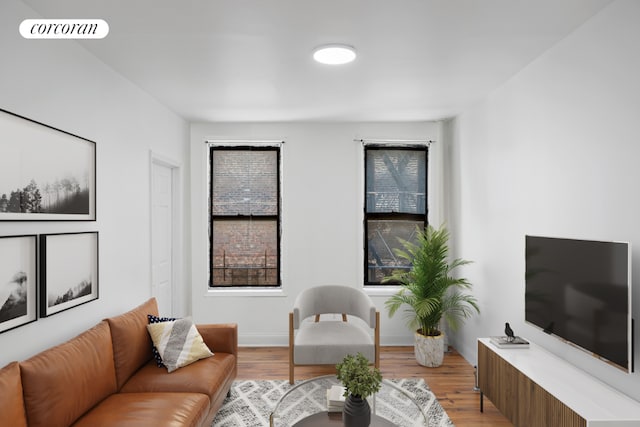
(291, 342)
(290, 373)
(377, 341)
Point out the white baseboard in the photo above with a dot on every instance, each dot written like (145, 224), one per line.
(282, 340)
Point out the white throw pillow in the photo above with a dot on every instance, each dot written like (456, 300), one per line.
(178, 342)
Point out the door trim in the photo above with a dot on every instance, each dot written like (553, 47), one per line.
(178, 291)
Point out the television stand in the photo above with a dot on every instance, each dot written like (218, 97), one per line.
(533, 387)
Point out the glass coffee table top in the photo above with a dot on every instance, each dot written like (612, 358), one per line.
(305, 404)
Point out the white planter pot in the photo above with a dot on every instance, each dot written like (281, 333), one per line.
(429, 351)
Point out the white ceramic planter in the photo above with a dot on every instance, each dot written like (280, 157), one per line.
(429, 351)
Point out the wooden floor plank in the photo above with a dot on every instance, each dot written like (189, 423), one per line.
(452, 383)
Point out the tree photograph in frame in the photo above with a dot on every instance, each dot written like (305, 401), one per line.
(45, 173)
(68, 271)
(18, 279)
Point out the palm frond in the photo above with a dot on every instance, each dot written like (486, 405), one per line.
(429, 292)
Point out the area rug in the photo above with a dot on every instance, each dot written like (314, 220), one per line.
(251, 402)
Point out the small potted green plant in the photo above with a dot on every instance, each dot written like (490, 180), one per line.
(360, 381)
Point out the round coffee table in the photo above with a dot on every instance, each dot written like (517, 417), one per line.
(335, 419)
(305, 405)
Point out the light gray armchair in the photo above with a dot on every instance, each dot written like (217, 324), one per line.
(327, 342)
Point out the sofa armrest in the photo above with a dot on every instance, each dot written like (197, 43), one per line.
(222, 337)
(12, 403)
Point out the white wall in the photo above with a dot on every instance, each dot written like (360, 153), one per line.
(322, 229)
(59, 83)
(553, 152)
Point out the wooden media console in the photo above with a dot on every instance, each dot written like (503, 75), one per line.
(534, 388)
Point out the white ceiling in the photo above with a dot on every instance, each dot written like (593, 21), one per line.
(250, 60)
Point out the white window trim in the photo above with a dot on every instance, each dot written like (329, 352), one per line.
(436, 183)
(239, 291)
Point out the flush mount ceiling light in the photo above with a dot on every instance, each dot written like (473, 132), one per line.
(334, 54)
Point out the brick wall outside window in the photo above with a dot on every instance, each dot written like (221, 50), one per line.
(245, 223)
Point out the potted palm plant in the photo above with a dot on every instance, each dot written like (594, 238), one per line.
(359, 382)
(430, 293)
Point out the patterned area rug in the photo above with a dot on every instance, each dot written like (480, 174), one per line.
(251, 403)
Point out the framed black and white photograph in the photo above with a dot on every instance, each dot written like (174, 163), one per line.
(18, 279)
(45, 174)
(68, 271)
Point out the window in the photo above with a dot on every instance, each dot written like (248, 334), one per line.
(244, 217)
(395, 205)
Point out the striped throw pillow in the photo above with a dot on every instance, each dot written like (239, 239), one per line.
(154, 350)
(178, 342)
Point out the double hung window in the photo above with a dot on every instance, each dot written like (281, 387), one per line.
(244, 223)
(395, 206)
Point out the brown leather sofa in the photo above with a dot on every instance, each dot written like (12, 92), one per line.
(106, 376)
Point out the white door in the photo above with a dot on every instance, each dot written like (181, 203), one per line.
(162, 220)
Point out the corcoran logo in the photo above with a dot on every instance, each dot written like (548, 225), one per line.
(64, 29)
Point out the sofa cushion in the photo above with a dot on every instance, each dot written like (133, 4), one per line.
(178, 342)
(219, 371)
(148, 409)
(62, 383)
(131, 341)
(11, 403)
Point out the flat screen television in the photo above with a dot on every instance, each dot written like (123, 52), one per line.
(580, 292)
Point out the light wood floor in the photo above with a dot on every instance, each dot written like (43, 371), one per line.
(452, 383)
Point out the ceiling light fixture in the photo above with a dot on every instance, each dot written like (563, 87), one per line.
(334, 54)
